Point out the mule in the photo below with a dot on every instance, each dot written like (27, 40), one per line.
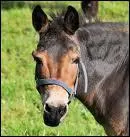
(90, 10)
(89, 62)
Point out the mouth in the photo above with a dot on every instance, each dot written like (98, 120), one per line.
(51, 120)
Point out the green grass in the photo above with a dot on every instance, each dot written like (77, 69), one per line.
(21, 104)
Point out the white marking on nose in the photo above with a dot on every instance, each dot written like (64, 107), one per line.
(57, 99)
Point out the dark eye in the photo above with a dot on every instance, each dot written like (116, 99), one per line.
(38, 60)
(76, 61)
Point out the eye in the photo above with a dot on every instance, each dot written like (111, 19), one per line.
(38, 60)
(76, 60)
(36, 57)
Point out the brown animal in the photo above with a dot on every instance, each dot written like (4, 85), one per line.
(90, 62)
(90, 9)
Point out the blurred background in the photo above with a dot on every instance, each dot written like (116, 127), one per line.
(21, 108)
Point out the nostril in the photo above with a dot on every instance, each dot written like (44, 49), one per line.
(62, 110)
(47, 108)
(50, 109)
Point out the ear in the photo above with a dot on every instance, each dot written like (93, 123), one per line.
(71, 20)
(39, 19)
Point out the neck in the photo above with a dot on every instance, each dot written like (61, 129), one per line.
(97, 65)
(88, 97)
(100, 72)
(96, 69)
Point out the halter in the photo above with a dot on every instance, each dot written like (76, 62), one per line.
(71, 92)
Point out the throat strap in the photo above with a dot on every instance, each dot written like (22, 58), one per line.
(85, 76)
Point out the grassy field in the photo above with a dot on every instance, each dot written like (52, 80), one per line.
(21, 105)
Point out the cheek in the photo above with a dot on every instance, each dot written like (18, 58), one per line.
(72, 72)
(42, 70)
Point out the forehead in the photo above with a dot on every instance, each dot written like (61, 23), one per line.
(56, 42)
(54, 36)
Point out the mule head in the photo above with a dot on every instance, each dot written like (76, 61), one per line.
(56, 57)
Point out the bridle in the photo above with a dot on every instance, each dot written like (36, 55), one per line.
(71, 92)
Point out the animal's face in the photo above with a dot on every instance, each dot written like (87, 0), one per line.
(56, 57)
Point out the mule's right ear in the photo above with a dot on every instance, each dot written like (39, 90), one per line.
(71, 20)
(39, 19)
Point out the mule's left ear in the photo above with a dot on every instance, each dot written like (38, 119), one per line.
(71, 20)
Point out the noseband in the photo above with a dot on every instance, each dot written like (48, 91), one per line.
(71, 92)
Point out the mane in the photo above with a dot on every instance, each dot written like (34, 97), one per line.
(57, 14)
(58, 17)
